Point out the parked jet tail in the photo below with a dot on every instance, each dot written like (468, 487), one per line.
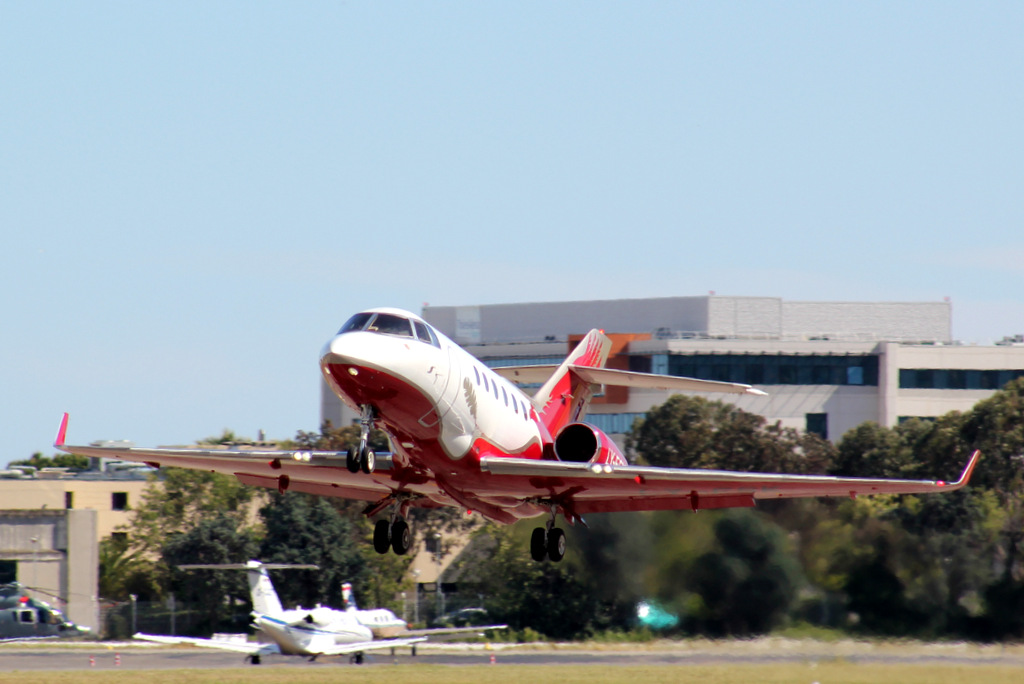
(261, 589)
(564, 398)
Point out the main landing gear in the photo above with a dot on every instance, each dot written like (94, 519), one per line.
(362, 457)
(548, 542)
(394, 535)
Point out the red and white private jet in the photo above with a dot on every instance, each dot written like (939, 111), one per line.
(465, 435)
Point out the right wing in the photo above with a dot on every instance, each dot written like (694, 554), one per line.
(250, 648)
(376, 644)
(441, 631)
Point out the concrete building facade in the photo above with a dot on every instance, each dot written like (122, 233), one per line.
(54, 552)
(826, 366)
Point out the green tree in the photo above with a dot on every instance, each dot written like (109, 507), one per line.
(218, 540)
(178, 500)
(123, 572)
(693, 432)
(748, 582)
(301, 528)
(56, 461)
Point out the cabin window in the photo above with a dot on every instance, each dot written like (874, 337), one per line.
(28, 616)
(389, 324)
(357, 322)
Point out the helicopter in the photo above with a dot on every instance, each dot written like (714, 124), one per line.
(23, 618)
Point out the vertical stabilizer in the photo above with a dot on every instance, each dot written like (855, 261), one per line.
(264, 597)
(564, 398)
(348, 600)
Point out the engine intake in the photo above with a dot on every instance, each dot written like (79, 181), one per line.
(582, 443)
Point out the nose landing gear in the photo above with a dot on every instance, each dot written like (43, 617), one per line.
(362, 457)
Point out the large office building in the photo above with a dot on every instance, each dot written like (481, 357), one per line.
(826, 366)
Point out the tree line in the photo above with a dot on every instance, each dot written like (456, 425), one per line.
(930, 566)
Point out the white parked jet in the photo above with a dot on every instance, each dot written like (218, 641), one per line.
(384, 623)
(310, 632)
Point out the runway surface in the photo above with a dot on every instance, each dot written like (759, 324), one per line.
(67, 657)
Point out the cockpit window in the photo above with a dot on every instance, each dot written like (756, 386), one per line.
(425, 334)
(391, 325)
(357, 322)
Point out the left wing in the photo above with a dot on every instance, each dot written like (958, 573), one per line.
(247, 647)
(604, 488)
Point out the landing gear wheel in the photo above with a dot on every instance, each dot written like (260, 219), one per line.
(368, 460)
(382, 536)
(556, 544)
(539, 544)
(352, 460)
(401, 537)
(356, 659)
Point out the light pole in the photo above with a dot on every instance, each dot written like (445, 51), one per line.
(35, 562)
(416, 600)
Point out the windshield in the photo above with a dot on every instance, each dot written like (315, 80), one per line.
(390, 324)
(357, 322)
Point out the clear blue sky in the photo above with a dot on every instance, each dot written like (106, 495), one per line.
(195, 195)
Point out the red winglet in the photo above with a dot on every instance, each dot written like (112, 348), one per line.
(968, 469)
(62, 432)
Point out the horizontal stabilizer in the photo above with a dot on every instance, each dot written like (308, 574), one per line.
(622, 378)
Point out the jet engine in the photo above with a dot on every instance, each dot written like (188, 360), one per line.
(582, 443)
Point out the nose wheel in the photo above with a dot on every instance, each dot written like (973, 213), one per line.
(362, 457)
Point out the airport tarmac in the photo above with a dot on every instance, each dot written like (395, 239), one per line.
(70, 657)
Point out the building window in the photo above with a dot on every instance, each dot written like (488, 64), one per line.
(817, 424)
(119, 501)
(8, 571)
(69, 499)
(956, 378)
(778, 369)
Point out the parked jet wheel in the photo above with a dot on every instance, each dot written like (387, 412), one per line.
(382, 536)
(255, 659)
(352, 460)
(356, 659)
(401, 537)
(368, 460)
(539, 544)
(556, 544)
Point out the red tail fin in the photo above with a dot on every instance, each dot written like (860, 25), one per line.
(564, 397)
